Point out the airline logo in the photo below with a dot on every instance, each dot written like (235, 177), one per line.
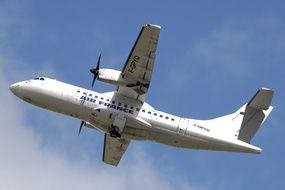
(108, 105)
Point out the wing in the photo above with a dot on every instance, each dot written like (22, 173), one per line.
(114, 148)
(139, 65)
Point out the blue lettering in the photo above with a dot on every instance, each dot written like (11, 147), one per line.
(92, 100)
(119, 108)
(113, 106)
(107, 104)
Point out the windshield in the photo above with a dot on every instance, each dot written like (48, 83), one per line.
(39, 78)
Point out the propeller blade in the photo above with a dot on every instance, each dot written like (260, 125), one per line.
(80, 128)
(98, 62)
(94, 78)
(95, 71)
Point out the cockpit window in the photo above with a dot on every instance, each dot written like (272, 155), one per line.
(39, 78)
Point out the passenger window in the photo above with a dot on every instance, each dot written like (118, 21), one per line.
(132, 107)
(107, 100)
(102, 98)
(138, 109)
(78, 91)
(155, 114)
(125, 105)
(166, 117)
(172, 119)
(143, 110)
(149, 112)
(113, 102)
(96, 96)
(42, 79)
(119, 104)
(160, 116)
(90, 94)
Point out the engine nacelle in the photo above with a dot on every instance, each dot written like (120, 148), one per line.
(112, 76)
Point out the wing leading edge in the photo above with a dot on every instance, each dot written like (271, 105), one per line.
(139, 65)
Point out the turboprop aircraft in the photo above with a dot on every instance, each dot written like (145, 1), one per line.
(123, 115)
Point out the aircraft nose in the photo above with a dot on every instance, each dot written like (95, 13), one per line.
(22, 90)
(14, 88)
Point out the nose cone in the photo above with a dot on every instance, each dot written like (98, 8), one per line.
(15, 88)
(22, 90)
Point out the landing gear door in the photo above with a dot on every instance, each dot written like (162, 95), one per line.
(120, 122)
(182, 127)
(118, 126)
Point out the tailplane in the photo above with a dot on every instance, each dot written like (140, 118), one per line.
(255, 113)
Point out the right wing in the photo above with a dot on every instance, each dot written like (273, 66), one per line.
(114, 148)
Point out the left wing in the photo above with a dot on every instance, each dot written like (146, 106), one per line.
(114, 148)
(139, 65)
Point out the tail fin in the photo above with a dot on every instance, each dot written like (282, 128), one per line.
(245, 122)
(255, 113)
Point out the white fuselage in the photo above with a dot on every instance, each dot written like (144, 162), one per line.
(143, 122)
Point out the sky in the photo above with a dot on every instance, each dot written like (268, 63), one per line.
(212, 56)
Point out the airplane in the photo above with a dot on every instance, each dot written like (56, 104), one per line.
(123, 115)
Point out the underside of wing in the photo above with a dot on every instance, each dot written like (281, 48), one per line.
(139, 65)
(114, 148)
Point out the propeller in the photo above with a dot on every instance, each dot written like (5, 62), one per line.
(95, 71)
(80, 128)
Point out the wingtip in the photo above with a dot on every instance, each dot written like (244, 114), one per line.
(257, 150)
(154, 25)
(266, 89)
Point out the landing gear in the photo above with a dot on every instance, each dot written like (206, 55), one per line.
(114, 132)
(118, 125)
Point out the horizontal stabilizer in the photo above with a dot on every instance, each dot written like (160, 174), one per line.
(262, 99)
(256, 111)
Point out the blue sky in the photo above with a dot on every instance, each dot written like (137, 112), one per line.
(211, 58)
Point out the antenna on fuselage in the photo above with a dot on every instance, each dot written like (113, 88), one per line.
(95, 71)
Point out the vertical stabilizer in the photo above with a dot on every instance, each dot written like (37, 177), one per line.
(245, 122)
